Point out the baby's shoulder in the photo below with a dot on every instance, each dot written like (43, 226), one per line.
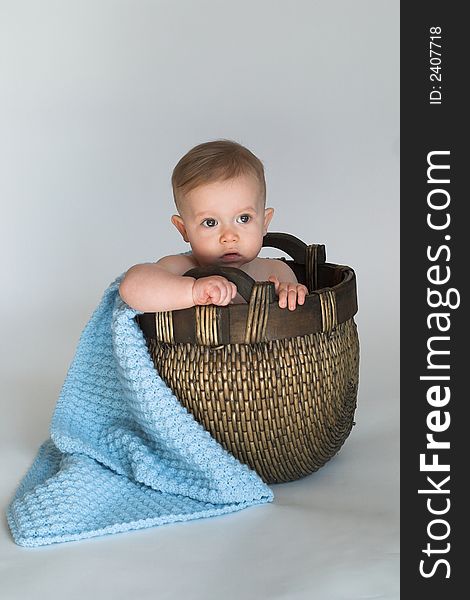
(178, 264)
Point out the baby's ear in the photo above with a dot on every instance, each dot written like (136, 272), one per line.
(268, 215)
(179, 224)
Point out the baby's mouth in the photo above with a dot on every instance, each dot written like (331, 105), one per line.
(231, 256)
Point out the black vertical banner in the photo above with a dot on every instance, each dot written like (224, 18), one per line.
(435, 340)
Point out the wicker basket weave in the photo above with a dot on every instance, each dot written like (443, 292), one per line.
(276, 388)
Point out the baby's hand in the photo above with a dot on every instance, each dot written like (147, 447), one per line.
(289, 293)
(213, 290)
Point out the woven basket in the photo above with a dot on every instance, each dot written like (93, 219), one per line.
(276, 388)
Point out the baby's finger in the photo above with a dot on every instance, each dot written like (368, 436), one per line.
(282, 298)
(233, 290)
(229, 291)
(301, 293)
(292, 298)
(215, 294)
(222, 293)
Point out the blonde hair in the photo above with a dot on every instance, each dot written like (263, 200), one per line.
(218, 160)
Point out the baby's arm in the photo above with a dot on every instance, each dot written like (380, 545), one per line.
(157, 287)
(288, 289)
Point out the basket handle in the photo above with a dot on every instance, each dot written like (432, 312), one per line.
(310, 257)
(242, 280)
(292, 246)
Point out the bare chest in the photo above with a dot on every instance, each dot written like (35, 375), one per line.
(260, 269)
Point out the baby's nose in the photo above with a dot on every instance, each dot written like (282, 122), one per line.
(228, 235)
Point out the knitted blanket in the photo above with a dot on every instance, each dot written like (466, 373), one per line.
(124, 453)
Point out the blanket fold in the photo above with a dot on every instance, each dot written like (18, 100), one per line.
(123, 453)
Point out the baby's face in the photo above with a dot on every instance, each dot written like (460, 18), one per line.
(224, 221)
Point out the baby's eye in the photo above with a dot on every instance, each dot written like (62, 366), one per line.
(209, 222)
(244, 218)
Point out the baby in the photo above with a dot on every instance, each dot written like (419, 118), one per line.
(219, 190)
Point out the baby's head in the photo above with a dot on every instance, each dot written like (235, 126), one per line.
(220, 193)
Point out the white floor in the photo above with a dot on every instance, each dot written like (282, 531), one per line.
(332, 535)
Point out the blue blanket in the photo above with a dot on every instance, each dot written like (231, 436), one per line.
(124, 453)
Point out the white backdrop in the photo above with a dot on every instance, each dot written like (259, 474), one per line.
(98, 101)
